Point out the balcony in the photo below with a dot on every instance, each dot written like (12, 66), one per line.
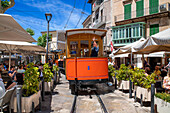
(96, 5)
(99, 22)
(147, 12)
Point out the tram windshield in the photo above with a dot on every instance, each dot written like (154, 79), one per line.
(84, 48)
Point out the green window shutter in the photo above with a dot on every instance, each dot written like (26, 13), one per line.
(127, 11)
(139, 8)
(154, 29)
(153, 6)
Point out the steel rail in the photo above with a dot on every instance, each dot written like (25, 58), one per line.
(73, 109)
(101, 102)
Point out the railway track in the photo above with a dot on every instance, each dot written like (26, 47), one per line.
(74, 105)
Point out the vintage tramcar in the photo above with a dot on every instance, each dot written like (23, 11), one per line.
(82, 70)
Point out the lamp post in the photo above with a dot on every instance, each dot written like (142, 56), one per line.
(48, 18)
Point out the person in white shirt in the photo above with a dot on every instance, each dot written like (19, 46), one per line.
(2, 87)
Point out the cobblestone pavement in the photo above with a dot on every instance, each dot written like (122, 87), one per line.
(116, 102)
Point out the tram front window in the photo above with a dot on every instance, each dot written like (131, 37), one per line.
(94, 49)
(84, 48)
(73, 48)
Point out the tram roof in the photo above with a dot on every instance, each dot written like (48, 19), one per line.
(99, 32)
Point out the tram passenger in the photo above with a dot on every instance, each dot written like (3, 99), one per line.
(95, 49)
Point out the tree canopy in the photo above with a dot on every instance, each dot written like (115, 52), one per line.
(42, 40)
(30, 31)
(6, 4)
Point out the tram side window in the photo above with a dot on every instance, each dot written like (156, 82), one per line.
(73, 48)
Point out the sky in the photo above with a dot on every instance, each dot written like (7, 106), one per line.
(31, 14)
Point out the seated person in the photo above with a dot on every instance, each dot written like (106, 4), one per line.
(95, 49)
(157, 72)
(12, 72)
(147, 71)
(2, 87)
(166, 82)
(18, 80)
(21, 69)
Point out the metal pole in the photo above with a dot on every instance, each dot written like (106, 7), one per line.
(115, 82)
(9, 60)
(47, 42)
(131, 57)
(130, 88)
(43, 93)
(152, 97)
(19, 110)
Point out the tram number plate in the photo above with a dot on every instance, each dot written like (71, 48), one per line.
(88, 67)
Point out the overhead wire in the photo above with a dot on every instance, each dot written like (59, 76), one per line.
(70, 14)
(81, 14)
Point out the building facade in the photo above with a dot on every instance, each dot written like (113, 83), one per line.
(57, 41)
(100, 18)
(134, 19)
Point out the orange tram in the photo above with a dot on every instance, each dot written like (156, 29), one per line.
(85, 64)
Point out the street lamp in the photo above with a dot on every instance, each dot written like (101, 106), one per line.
(48, 18)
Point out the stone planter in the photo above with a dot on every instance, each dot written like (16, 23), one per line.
(48, 86)
(146, 93)
(26, 102)
(162, 106)
(123, 85)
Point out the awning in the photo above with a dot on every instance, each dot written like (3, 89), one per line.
(122, 55)
(156, 54)
(10, 30)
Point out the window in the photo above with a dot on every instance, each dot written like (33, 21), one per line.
(128, 33)
(127, 11)
(153, 6)
(139, 8)
(154, 29)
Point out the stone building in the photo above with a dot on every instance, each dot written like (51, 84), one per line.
(134, 19)
(100, 18)
(57, 41)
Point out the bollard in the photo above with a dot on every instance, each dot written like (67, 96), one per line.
(40, 104)
(43, 93)
(59, 73)
(135, 96)
(33, 107)
(55, 77)
(141, 100)
(152, 97)
(115, 82)
(18, 100)
(130, 88)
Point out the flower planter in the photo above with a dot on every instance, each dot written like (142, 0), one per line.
(162, 106)
(123, 85)
(146, 93)
(26, 102)
(48, 86)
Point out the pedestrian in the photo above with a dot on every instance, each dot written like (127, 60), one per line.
(157, 72)
(21, 69)
(2, 88)
(163, 72)
(166, 82)
(95, 49)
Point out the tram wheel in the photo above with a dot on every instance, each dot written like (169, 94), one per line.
(72, 87)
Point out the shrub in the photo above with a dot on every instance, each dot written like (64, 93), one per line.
(111, 70)
(31, 80)
(140, 79)
(55, 68)
(123, 73)
(47, 74)
(163, 96)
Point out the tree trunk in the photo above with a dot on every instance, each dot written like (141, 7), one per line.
(2, 10)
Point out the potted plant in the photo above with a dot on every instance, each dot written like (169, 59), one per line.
(162, 100)
(47, 75)
(123, 75)
(142, 84)
(30, 89)
(56, 77)
(111, 72)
